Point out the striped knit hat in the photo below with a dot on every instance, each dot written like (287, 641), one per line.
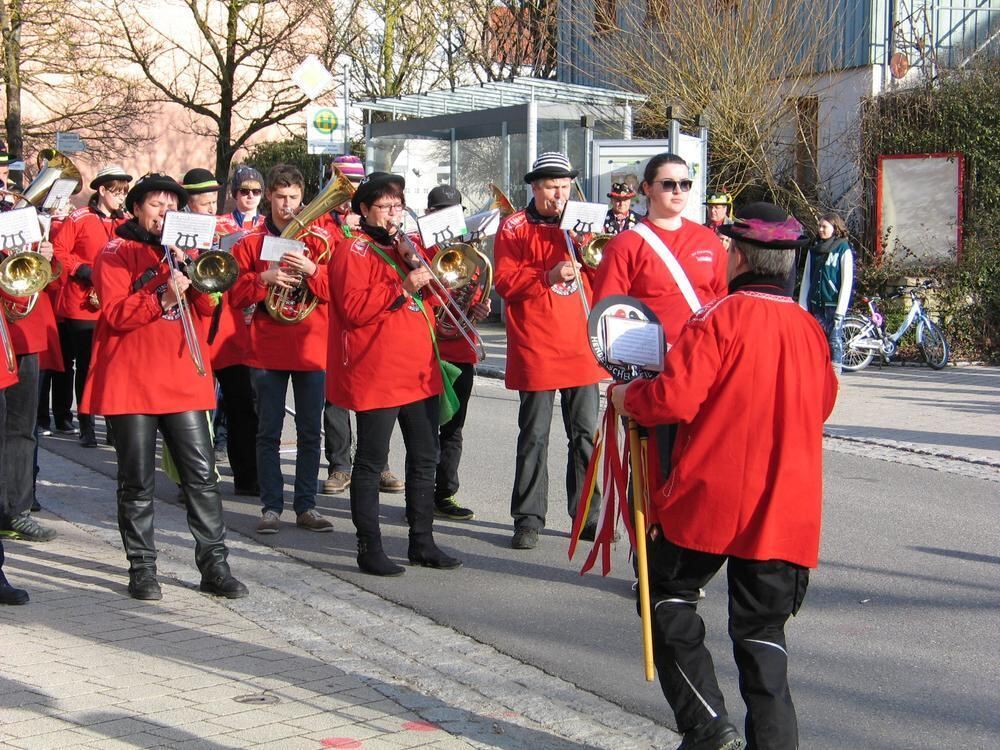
(550, 165)
(109, 173)
(351, 167)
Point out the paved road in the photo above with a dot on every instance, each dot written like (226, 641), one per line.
(896, 646)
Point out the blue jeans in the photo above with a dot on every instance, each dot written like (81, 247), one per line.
(827, 318)
(308, 388)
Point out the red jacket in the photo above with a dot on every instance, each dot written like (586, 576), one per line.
(7, 378)
(77, 242)
(33, 334)
(280, 346)
(232, 335)
(749, 380)
(547, 342)
(629, 266)
(227, 224)
(380, 345)
(140, 362)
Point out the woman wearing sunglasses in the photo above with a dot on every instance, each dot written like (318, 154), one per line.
(674, 265)
(247, 189)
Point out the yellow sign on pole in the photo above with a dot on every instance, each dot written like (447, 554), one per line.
(324, 131)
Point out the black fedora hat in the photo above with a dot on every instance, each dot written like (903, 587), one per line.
(155, 182)
(371, 185)
(200, 180)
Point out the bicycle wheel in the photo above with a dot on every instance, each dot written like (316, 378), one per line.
(932, 344)
(857, 330)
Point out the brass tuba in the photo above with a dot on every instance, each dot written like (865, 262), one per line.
(294, 305)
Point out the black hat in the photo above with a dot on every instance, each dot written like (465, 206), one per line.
(621, 190)
(443, 196)
(766, 225)
(109, 173)
(198, 181)
(550, 165)
(242, 175)
(372, 184)
(152, 183)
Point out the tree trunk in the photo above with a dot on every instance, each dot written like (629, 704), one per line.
(10, 22)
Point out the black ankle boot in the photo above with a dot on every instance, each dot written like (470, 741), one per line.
(142, 585)
(373, 560)
(9, 594)
(424, 552)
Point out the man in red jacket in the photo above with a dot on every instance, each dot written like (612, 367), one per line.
(749, 380)
(547, 347)
(283, 351)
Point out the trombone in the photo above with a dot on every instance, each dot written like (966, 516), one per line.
(448, 304)
(187, 321)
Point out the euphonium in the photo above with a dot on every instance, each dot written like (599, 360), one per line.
(468, 274)
(213, 271)
(294, 305)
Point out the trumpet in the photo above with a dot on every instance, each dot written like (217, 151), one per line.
(459, 275)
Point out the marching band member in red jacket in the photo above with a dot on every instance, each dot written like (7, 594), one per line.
(283, 351)
(547, 347)
(457, 351)
(676, 270)
(247, 190)
(143, 380)
(31, 335)
(228, 338)
(8, 377)
(77, 243)
(382, 366)
(750, 382)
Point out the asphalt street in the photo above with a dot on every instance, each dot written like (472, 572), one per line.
(895, 646)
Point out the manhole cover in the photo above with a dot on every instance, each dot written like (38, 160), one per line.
(260, 698)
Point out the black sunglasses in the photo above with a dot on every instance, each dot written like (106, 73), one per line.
(249, 191)
(671, 185)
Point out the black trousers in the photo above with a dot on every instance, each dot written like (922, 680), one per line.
(19, 432)
(529, 498)
(241, 423)
(419, 424)
(187, 436)
(77, 339)
(762, 596)
(337, 438)
(450, 437)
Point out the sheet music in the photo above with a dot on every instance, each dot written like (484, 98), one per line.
(583, 217)
(59, 193)
(19, 228)
(446, 225)
(634, 342)
(275, 247)
(483, 224)
(187, 231)
(227, 241)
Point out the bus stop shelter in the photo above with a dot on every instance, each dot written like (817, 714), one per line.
(472, 136)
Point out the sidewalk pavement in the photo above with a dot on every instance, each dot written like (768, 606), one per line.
(307, 661)
(944, 419)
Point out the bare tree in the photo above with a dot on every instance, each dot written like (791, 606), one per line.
(52, 81)
(230, 61)
(749, 65)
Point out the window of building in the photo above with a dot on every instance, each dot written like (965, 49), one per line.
(807, 144)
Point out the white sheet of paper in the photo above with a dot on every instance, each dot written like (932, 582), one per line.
(446, 225)
(483, 224)
(187, 231)
(227, 241)
(59, 193)
(634, 342)
(584, 217)
(19, 228)
(275, 247)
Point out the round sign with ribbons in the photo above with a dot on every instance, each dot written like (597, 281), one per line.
(626, 338)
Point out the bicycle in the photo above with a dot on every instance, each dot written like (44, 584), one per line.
(865, 335)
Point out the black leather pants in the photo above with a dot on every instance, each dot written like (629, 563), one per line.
(187, 436)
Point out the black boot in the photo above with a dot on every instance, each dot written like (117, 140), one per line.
(9, 594)
(142, 584)
(422, 550)
(373, 560)
(87, 437)
(717, 734)
(425, 552)
(220, 582)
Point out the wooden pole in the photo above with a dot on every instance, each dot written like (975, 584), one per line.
(636, 451)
